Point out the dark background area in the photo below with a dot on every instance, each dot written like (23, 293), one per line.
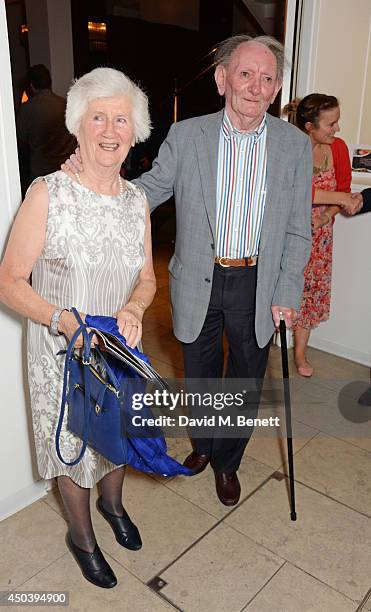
(162, 58)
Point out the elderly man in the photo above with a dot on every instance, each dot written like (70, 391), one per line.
(242, 185)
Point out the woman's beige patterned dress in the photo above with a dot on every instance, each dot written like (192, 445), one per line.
(93, 253)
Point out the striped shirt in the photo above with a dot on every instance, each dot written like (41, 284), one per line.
(241, 189)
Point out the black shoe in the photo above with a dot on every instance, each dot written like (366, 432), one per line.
(125, 531)
(93, 565)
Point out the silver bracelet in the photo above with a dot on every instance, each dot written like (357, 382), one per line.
(53, 328)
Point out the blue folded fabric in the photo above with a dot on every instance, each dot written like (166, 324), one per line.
(147, 452)
(109, 324)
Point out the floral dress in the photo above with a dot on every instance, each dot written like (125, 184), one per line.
(315, 305)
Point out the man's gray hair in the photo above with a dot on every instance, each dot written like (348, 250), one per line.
(107, 83)
(229, 45)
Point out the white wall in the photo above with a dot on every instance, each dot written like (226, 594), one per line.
(18, 486)
(335, 59)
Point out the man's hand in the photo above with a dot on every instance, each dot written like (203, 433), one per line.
(74, 163)
(351, 203)
(288, 313)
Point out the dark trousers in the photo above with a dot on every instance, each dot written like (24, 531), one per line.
(231, 309)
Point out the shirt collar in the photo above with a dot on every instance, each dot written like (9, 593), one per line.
(228, 130)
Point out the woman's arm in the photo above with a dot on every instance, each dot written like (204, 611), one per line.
(25, 245)
(24, 248)
(129, 318)
(349, 202)
(325, 217)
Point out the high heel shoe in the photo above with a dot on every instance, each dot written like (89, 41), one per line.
(125, 531)
(93, 565)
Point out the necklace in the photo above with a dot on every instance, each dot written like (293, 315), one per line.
(121, 183)
(323, 166)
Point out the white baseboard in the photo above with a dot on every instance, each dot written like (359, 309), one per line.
(19, 500)
(340, 350)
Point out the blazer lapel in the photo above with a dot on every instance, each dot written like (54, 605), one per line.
(275, 175)
(207, 145)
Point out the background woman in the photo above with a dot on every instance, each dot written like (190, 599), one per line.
(86, 239)
(318, 115)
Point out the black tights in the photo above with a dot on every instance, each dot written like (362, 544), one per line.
(76, 501)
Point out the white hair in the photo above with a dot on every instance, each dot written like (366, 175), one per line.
(107, 83)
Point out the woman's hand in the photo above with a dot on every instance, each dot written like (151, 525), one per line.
(67, 325)
(320, 221)
(351, 203)
(129, 322)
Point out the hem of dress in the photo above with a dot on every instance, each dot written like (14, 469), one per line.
(310, 327)
(88, 484)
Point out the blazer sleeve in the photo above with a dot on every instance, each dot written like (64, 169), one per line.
(366, 194)
(298, 237)
(158, 183)
(343, 170)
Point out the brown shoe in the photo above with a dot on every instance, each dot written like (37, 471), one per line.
(228, 488)
(196, 462)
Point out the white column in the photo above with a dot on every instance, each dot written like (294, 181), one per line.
(50, 39)
(289, 44)
(61, 47)
(18, 486)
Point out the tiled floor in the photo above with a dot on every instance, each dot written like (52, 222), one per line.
(200, 556)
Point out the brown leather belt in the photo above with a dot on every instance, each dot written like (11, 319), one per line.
(225, 262)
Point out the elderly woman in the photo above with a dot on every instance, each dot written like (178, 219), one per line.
(86, 240)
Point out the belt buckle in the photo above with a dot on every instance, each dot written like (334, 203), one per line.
(223, 265)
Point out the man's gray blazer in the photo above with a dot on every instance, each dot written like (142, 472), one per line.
(186, 166)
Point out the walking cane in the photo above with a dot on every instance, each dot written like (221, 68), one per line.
(286, 389)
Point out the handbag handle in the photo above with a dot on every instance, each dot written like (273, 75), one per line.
(87, 350)
(83, 329)
(86, 362)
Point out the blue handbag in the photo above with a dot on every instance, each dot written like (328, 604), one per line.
(94, 412)
(100, 409)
